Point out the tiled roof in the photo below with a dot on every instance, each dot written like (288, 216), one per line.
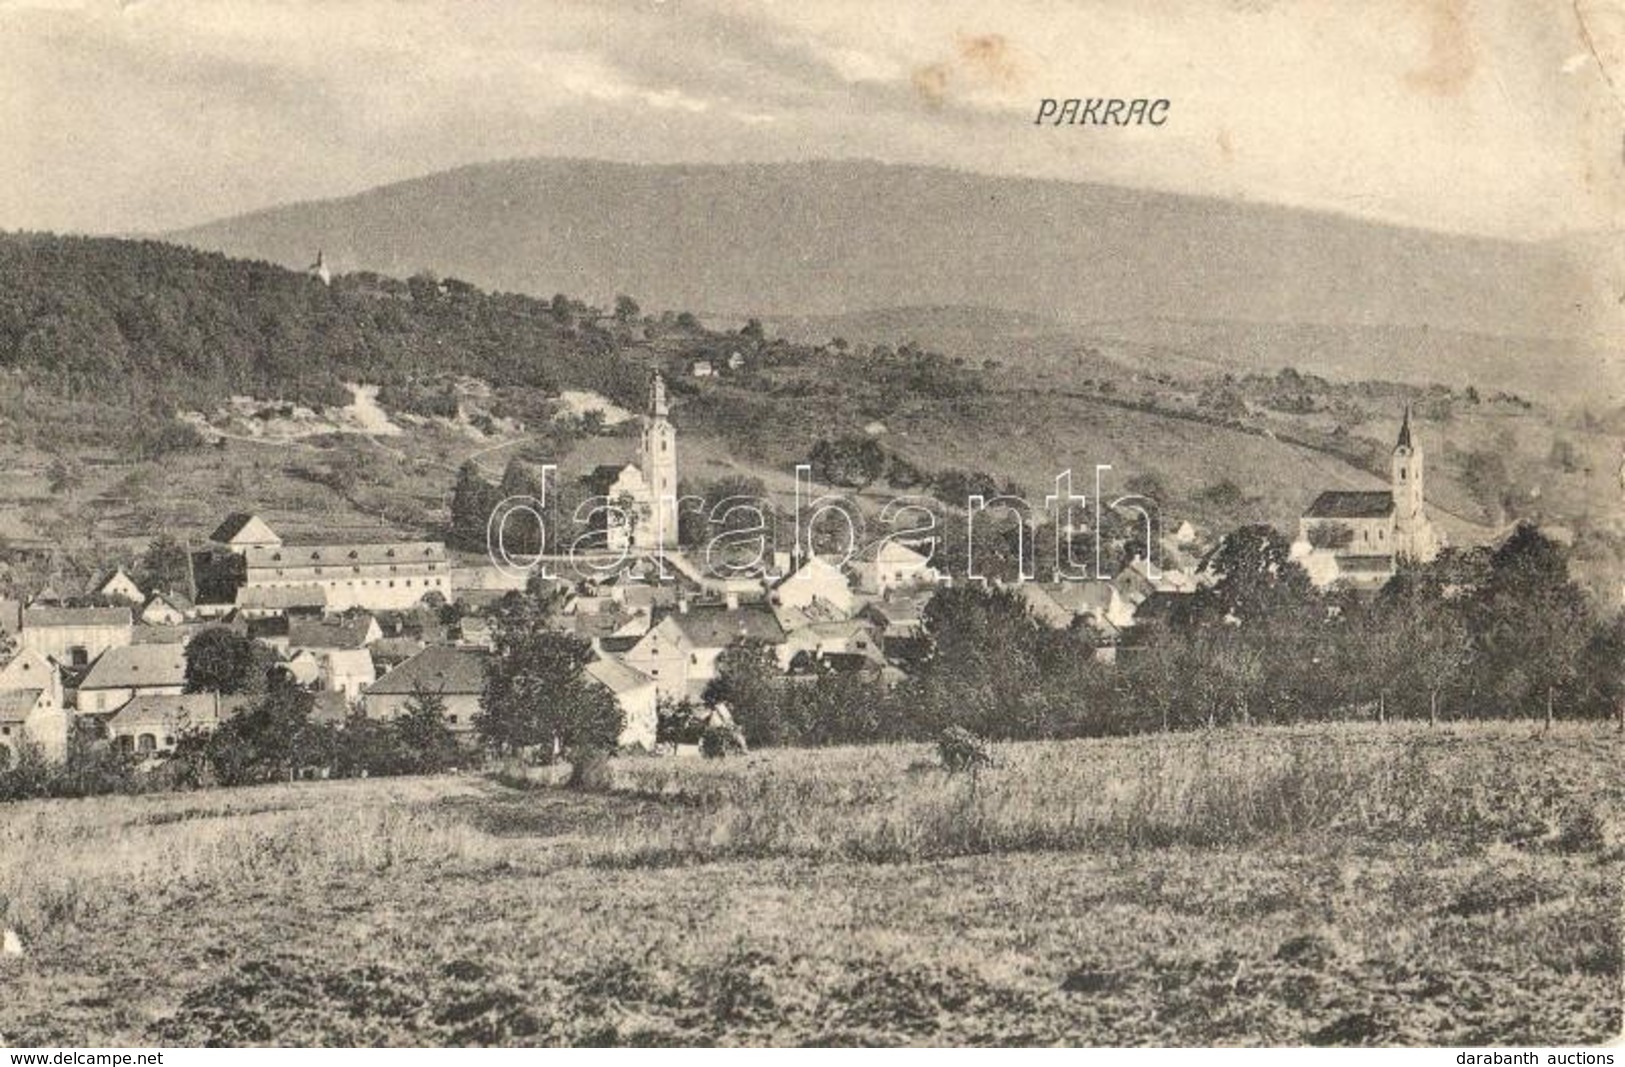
(719, 628)
(286, 596)
(1341, 504)
(231, 527)
(259, 557)
(437, 668)
(601, 477)
(137, 666)
(616, 676)
(38, 617)
(196, 709)
(329, 633)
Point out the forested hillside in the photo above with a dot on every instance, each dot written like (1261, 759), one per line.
(156, 325)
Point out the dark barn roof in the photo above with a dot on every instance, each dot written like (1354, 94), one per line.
(1340, 504)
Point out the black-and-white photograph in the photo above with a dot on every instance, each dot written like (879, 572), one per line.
(654, 523)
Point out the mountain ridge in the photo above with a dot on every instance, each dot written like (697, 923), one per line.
(835, 237)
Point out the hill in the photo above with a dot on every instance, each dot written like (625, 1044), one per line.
(148, 386)
(836, 237)
(1571, 371)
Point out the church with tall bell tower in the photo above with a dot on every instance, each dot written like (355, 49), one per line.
(641, 515)
(1359, 537)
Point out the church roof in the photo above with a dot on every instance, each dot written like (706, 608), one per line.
(604, 476)
(1343, 504)
(1405, 430)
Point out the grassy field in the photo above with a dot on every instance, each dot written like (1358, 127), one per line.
(1348, 885)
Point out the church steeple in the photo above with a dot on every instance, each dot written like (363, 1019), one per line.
(657, 396)
(659, 463)
(319, 269)
(1413, 534)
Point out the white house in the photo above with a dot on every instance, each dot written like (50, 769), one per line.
(457, 675)
(75, 636)
(166, 609)
(241, 530)
(30, 669)
(129, 671)
(680, 651)
(120, 586)
(29, 716)
(346, 670)
(887, 564)
(820, 639)
(817, 582)
(638, 697)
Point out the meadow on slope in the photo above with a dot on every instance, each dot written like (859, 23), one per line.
(1327, 885)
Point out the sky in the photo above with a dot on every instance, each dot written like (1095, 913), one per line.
(1497, 118)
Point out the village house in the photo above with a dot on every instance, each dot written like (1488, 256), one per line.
(75, 636)
(265, 601)
(303, 668)
(817, 588)
(167, 608)
(29, 716)
(121, 673)
(29, 669)
(680, 651)
(346, 670)
(457, 675)
(888, 565)
(337, 650)
(241, 531)
(119, 586)
(638, 697)
(1104, 603)
(819, 639)
(152, 724)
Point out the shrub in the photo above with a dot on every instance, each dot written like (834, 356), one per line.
(1583, 830)
(717, 742)
(961, 750)
(590, 771)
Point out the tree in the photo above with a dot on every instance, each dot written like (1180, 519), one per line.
(1530, 622)
(1257, 580)
(219, 660)
(626, 309)
(537, 695)
(472, 500)
(426, 740)
(270, 740)
(852, 460)
(749, 682)
(166, 565)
